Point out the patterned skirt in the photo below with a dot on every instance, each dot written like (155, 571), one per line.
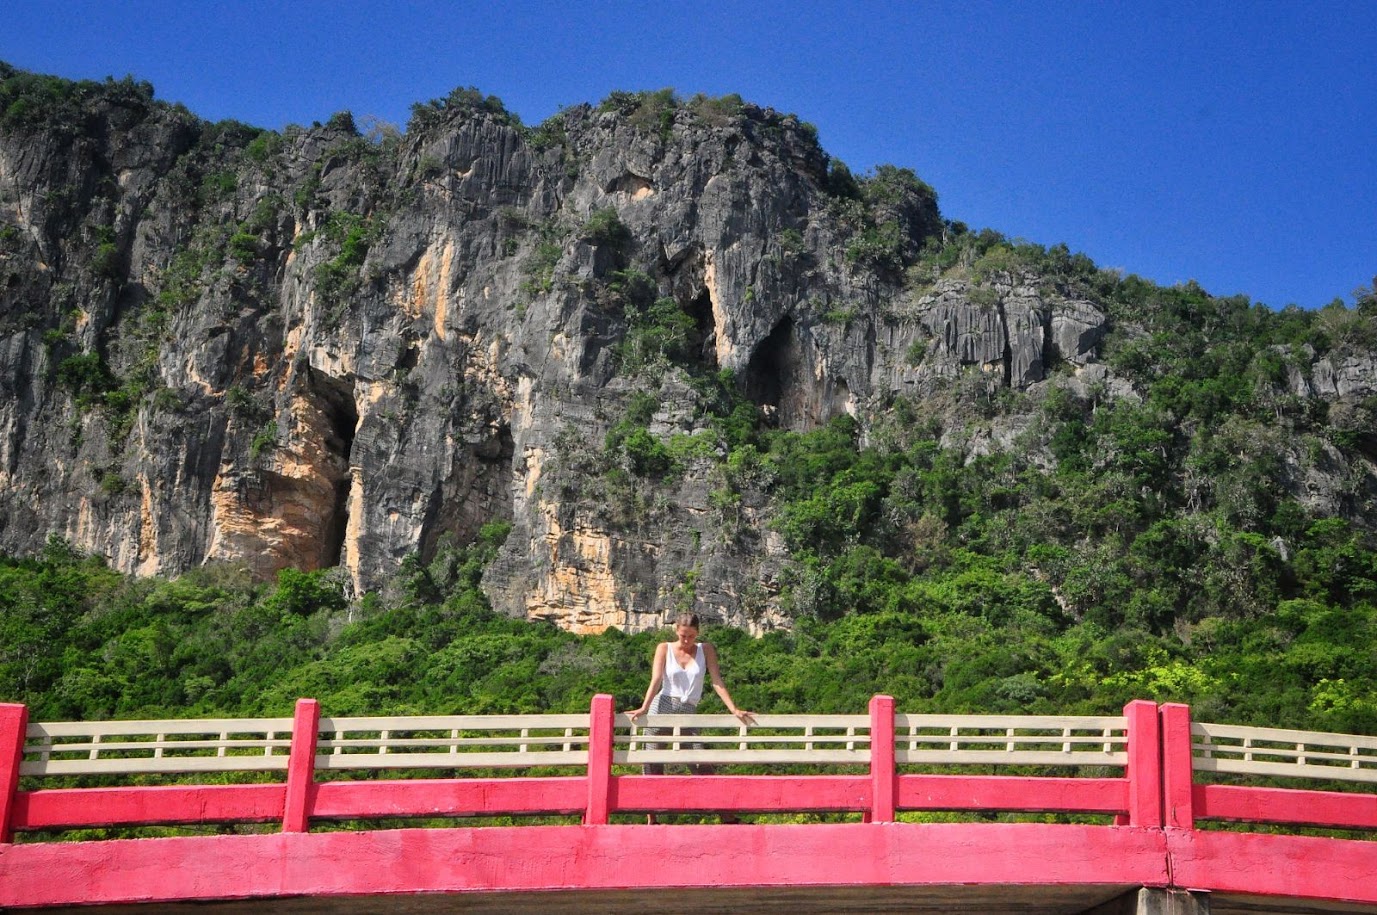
(668, 705)
(663, 704)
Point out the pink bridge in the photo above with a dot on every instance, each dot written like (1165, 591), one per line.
(1108, 813)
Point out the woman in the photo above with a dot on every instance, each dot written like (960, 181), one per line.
(677, 674)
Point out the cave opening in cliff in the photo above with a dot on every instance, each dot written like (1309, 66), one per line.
(704, 341)
(335, 399)
(476, 494)
(771, 370)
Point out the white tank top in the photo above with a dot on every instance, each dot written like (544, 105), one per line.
(684, 683)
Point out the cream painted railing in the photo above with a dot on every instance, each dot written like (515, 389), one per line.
(942, 740)
(113, 747)
(520, 741)
(1273, 751)
(453, 741)
(1011, 740)
(779, 739)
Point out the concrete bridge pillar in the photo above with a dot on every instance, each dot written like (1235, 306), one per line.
(1156, 901)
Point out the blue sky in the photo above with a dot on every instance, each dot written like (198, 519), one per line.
(1230, 143)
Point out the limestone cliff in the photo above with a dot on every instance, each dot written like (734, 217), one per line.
(315, 348)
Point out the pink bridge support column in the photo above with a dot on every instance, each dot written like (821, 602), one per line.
(883, 777)
(600, 721)
(1144, 764)
(14, 723)
(301, 767)
(1178, 789)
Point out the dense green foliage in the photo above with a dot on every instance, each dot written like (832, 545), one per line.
(33, 101)
(656, 112)
(464, 100)
(338, 278)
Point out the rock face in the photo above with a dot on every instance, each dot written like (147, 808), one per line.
(315, 349)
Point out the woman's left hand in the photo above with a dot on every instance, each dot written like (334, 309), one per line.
(744, 716)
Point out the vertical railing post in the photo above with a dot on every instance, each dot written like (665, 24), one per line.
(1144, 764)
(600, 728)
(301, 766)
(1177, 768)
(14, 726)
(883, 777)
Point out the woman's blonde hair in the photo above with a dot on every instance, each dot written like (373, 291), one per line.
(688, 619)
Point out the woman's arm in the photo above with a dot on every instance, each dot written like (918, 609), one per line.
(720, 687)
(657, 673)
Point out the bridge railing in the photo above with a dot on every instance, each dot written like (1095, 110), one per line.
(810, 740)
(936, 740)
(511, 741)
(146, 747)
(872, 764)
(1269, 754)
(1147, 767)
(1012, 740)
(452, 742)
(1124, 743)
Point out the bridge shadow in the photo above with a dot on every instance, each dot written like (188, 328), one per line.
(850, 900)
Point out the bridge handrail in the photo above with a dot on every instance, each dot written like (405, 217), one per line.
(156, 746)
(999, 740)
(464, 741)
(1190, 747)
(1011, 740)
(521, 741)
(772, 739)
(1279, 751)
(502, 741)
(261, 744)
(1157, 749)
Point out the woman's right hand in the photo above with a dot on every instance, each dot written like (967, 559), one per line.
(636, 713)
